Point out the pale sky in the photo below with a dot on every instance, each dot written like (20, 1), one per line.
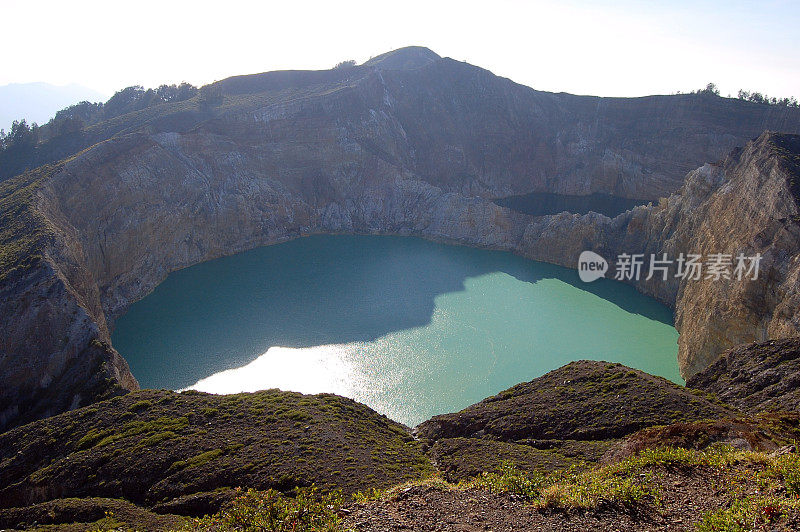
(607, 48)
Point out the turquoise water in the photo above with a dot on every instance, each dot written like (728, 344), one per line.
(410, 327)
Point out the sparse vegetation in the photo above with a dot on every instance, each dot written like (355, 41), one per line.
(751, 96)
(197, 460)
(359, 460)
(509, 479)
(756, 486)
(28, 146)
(574, 488)
(255, 511)
(368, 495)
(742, 515)
(765, 487)
(209, 96)
(350, 63)
(179, 444)
(23, 230)
(757, 97)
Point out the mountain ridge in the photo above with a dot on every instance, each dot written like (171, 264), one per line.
(611, 114)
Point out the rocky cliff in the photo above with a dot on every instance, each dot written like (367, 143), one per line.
(408, 144)
(756, 377)
(746, 204)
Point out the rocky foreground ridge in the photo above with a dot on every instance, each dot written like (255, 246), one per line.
(755, 378)
(409, 144)
(156, 458)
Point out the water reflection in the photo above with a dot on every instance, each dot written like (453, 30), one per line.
(409, 327)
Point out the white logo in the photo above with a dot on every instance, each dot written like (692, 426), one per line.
(591, 266)
(688, 266)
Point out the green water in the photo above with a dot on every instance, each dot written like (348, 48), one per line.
(411, 328)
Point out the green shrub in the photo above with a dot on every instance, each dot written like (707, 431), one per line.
(155, 439)
(588, 489)
(367, 495)
(511, 480)
(251, 511)
(742, 515)
(91, 438)
(196, 460)
(787, 467)
(140, 405)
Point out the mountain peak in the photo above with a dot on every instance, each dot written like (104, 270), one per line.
(408, 58)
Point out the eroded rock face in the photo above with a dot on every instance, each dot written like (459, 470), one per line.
(418, 145)
(753, 211)
(756, 377)
(55, 351)
(749, 209)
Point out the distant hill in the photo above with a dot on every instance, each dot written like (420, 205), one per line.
(39, 101)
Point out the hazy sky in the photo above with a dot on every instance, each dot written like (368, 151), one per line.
(623, 47)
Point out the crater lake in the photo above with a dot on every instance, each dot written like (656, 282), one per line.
(411, 328)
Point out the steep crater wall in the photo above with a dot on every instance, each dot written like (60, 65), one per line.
(174, 201)
(383, 152)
